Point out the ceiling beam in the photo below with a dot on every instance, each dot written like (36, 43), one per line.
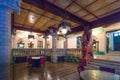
(47, 6)
(27, 29)
(113, 18)
(110, 19)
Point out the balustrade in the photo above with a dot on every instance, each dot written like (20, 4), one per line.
(37, 52)
(67, 54)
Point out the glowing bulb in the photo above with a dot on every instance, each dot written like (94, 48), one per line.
(31, 39)
(49, 36)
(42, 36)
(58, 32)
(64, 31)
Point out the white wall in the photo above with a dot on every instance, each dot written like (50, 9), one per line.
(101, 37)
(24, 36)
(72, 42)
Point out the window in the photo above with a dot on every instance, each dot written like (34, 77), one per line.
(113, 41)
(79, 40)
(40, 44)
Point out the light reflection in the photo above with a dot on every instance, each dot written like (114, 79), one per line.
(31, 18)
(95, 57)
(47, 75)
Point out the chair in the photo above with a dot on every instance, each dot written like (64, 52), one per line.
(20, 59)
(107, 69)
(42, 60)
(33, 62)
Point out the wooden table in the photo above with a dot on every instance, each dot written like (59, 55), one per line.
(98, 75)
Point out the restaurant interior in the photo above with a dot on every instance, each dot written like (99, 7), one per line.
(60, 40)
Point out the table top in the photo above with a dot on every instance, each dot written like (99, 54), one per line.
(35, 57)
(98, 75)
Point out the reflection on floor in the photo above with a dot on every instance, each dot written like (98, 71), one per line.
(50, 71)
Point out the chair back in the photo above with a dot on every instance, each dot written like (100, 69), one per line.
(111, 70)
(42, 60)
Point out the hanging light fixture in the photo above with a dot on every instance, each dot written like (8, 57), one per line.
(64, 27)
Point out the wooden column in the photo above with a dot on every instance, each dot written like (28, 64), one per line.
(87, 46)
(66, 44)
(45, 37)
(66, 40)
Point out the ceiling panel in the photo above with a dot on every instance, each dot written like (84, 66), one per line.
(98, 4)
(25, 5)
(62, 3)
(37, 10)
(108, 9)
(73, 8)
(81, 13)
(42, 21)
(85, 3)
(58, 18)
(88, 17)
(115, 5)
(19, 20)
(52, 23)
(23, 13)
(49, 15)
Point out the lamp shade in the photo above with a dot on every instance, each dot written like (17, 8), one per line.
(64, 27)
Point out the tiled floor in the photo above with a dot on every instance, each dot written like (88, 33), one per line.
(50, 71)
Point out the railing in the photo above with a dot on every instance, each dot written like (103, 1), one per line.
(27, 52)
(37, 52)
(74, 52)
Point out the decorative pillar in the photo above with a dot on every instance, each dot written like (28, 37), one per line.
(87, 47)
(45, 37)
(66, 44)
(54, 41)
(54, 54)
(6, 8)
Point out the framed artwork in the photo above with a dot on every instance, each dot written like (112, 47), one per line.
(20, 45)
(30, 45)
(79, 41)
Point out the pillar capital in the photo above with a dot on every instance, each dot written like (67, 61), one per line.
(11, 4)
(53, 32)
(45, 36)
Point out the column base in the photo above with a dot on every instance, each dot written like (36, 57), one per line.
(54, 58)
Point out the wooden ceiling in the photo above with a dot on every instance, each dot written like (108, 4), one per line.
(88, 10)
(41, 18)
